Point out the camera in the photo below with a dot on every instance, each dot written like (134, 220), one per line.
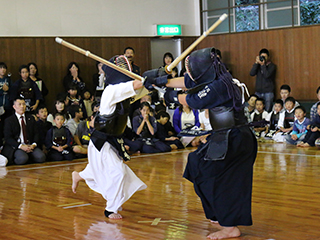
(262, 58)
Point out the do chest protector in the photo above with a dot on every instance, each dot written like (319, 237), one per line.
(115, 123)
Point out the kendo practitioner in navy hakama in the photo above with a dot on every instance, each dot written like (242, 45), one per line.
(222, 168)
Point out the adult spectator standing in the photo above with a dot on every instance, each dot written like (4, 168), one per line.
(265, 72)
(5, 106)
(129, 53)
(26, 88)
(34, 75)
(21, 136)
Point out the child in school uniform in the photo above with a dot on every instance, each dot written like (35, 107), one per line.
(59, 141)
(286, 120)
(43, 125)
(273, 117)
(258, 115)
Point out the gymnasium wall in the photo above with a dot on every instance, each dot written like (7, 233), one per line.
(96, 17)
(52, 58)
(295, 51)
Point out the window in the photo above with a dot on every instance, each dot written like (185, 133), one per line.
(252, 15)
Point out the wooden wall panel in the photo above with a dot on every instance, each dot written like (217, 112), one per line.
(295, 51)
(52, 59)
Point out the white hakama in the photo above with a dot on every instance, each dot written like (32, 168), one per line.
(106, 173)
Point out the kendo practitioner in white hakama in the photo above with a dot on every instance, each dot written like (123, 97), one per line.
(106, 172)
(222, 168)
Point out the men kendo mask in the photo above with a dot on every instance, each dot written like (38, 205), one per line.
(201, 67)
(113, 76)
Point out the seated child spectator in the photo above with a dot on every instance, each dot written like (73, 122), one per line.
(145, 126)
(43, 125)
(82, 137)
(313, 131)
(250, 106)
(146, 98)
(313, 110)
(285, 92)
(74, 99)
(286, 120)
(59, 106)
(299, 126)
(87, 101)
(259, 114)
(163, 134)
(59, 141)
(273, 117)
(76, 116)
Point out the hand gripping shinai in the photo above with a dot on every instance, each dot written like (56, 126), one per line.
(99, 59)
(194, 44)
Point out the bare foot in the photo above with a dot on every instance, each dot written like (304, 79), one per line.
(305, 145)
(226, 232)
(75, 180)
(213, 221)
(115, 216)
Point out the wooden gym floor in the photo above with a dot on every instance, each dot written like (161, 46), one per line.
(36, 201)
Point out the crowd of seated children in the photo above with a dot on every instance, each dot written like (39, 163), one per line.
(286, 120)
(299, 126)
(59, 140)
(313, 132)
(259, 114)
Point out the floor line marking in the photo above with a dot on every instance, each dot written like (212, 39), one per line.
(291, 154)
(146, 155)
(70, 204)
(156, 221)
(81, 205)
(78, 163)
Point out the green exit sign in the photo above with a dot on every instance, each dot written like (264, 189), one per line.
(168, 29)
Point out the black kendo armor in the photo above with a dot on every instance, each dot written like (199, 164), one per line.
(109, 128)
(204, 67)
(115, 123)
(27, 93)
(59, 136)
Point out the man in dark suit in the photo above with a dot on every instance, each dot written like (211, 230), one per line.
(21, 136)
